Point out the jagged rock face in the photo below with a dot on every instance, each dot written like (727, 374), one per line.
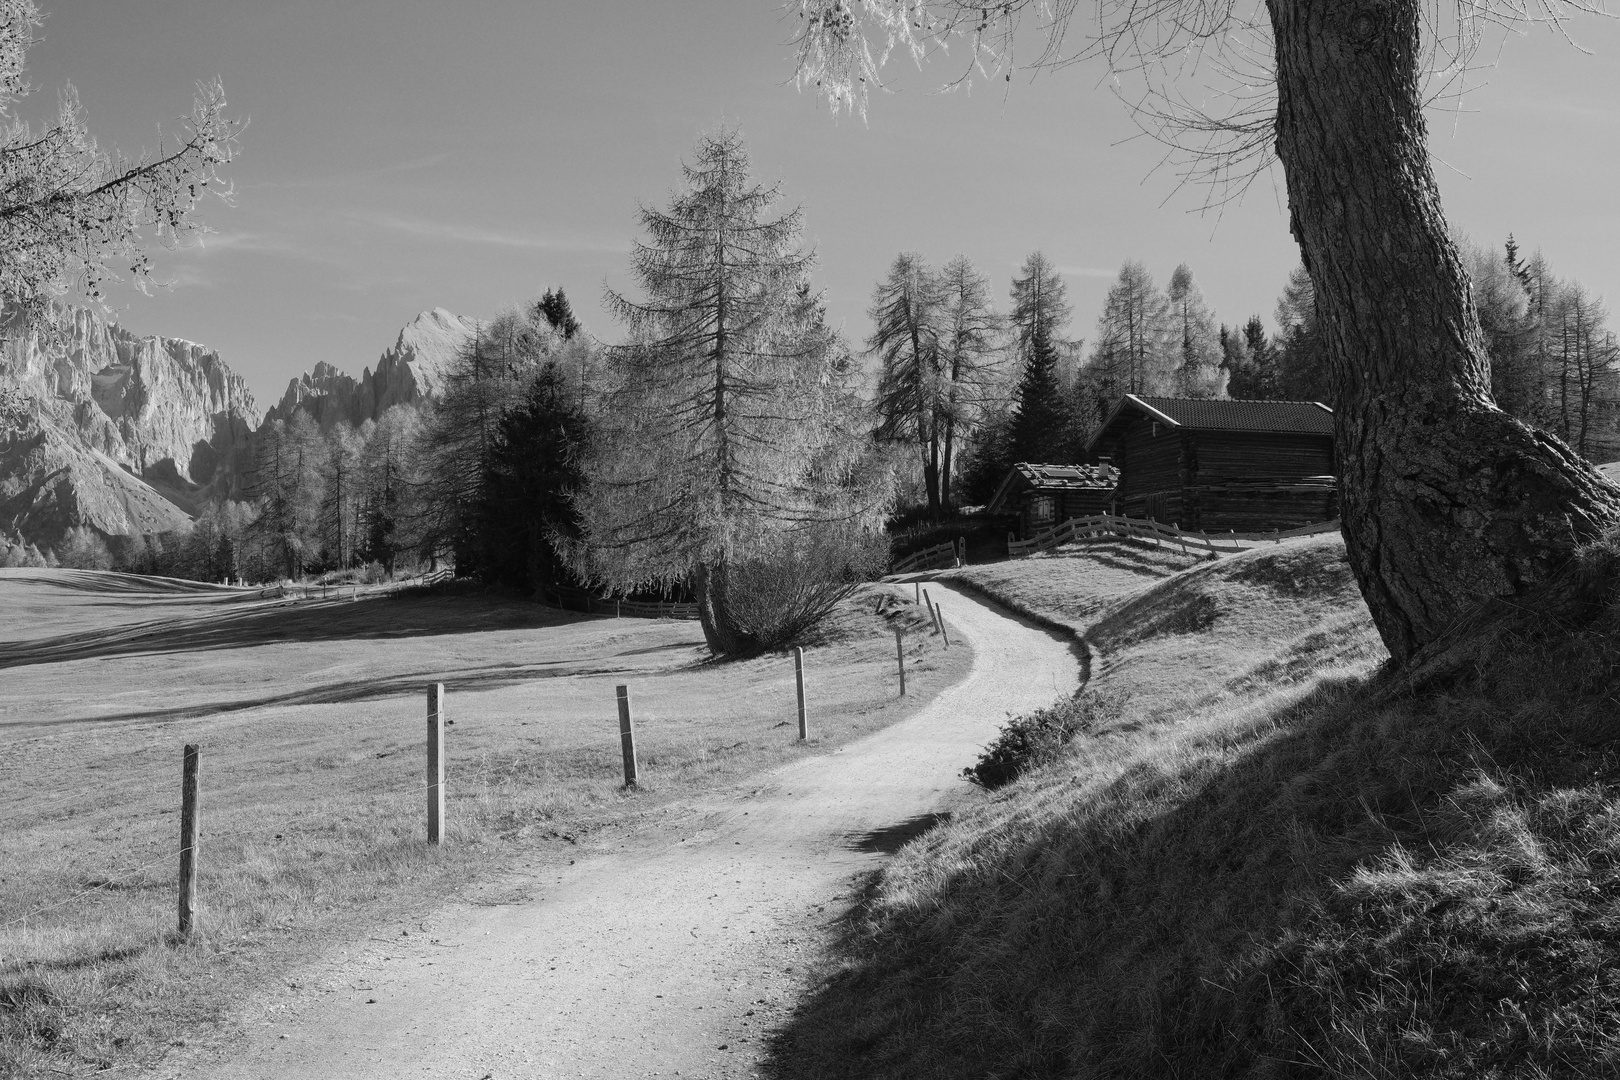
(408, 372)
(109, 410)
(50, 481)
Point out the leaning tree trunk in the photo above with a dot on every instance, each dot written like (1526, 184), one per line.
(1446, 500)
(712, 584)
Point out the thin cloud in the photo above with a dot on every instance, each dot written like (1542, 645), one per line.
(351, 178)
(473, 234)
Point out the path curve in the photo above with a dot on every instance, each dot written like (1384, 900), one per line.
(660, 961)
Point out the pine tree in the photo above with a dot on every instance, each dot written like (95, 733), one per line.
(1041, 420)
(528, 515)
(555, 309)
(1040, 425)
(1302, 359)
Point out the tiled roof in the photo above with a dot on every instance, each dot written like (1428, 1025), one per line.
(1304, 417)
(1069, 477)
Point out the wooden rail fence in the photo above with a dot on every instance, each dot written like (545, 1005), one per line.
(583, 600)
(1108, 526)
(939, 557)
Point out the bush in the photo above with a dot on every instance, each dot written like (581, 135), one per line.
(777, 597)
(1028, 742)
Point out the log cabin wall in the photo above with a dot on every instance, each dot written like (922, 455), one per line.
(1232, 455)
(1217, 480)
(1149, 457)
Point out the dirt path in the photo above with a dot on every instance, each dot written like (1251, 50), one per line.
(674, 957)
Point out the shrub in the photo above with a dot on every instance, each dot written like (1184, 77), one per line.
(1038, 738)
(777, 597)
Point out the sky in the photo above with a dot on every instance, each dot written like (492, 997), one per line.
(408, 154)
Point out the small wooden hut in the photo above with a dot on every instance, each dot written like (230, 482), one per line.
(1218, 465)
(1046, 495)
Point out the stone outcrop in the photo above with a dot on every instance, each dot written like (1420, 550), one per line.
(120, 432)
(411, 370)
(133, 435)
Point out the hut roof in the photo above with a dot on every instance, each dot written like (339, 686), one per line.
(1197, 414)
(1028, 475)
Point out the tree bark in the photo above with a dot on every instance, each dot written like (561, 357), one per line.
(1447, 501)
(721, 633)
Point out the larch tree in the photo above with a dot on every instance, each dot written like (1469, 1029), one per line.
(970, 349)
(71, 215)
(727, 459)
(907, 316)
(1446, 500)
(1134, 351)
(1198, 372)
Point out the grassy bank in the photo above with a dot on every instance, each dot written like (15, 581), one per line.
(310, 717)
(1265, 865)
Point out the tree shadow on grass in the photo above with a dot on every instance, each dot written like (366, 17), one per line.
(1197, 914)
(370, 688)
(293, 621)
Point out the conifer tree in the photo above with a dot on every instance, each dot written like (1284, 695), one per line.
(1136, 350)
(727, 437)
(971, 357)
(908, 316)
(1041, 420)
(1198, 371)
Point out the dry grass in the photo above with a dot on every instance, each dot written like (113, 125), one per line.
(310, 721)
(1268, 866)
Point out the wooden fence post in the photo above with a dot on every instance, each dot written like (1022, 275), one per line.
(627, 737)
(932, 613)
(798, 683)
(900, 654)
(939, 617)
(916, 590)
(188, 839)
(435, 763)
(961, 547)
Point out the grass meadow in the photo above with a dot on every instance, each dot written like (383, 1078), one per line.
(1270, 861)
(311, 717)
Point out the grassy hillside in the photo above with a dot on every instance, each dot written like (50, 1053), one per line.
(1266, 864)
(310, 717)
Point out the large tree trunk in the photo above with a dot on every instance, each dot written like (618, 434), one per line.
(721, 633)
(1446, 500)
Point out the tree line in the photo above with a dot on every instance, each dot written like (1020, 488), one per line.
(962, 385)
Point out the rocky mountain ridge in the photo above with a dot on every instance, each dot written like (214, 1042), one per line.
(407, 372)
(131, 435)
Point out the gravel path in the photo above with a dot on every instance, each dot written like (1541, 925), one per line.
(676, 956)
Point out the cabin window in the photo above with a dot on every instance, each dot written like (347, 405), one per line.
(1042, 509)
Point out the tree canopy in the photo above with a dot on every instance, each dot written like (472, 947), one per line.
(73, 216)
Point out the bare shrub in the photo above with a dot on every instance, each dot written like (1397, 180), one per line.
(803, 576)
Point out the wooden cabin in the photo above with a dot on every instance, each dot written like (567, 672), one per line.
(1219, 465)
(1046, 495)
